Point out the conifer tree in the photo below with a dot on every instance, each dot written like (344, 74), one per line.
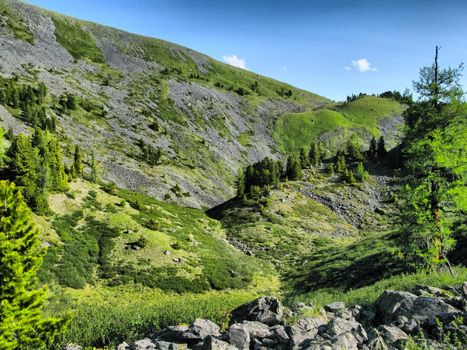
(58, 179)
(315, 154)
(241, 184)
(23, 165)
(22, 322)
(304, 160)
(95, 169)
(381, 150)
(77, 167)
(360, 173)
(341, 166)
(293, 169)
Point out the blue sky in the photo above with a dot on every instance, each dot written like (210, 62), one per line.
(331, 47)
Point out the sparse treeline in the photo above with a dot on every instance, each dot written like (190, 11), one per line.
(434, 203)
(347, 165)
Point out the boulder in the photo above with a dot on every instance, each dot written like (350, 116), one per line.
(393, 336)
(205, 328)
(190, 335)
(144, 344)
(391, 305)
(304, 331)
(280, 334)
(464, 290)
(239, 336)
(335, 307)
(211, 343)
(346, 340)
(267, 310)
(376, 341)
(257, 330)
(123, 346)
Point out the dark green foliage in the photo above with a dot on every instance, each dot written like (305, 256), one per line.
(304, 160)
(264, 173)
(240, 184)
(27, 170)
(83, 249)
(293, 170)
(405, 97)
(372, 150)
(22, 323)
(149, 153)
(57, 179)
(381, 149)
(77, 166)
(341, 165)
(314, 154)
(29, 99)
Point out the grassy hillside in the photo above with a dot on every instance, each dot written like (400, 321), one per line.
(362, 117)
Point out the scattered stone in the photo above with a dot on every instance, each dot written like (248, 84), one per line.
(393, 336)
(211, 343)
(123, 346)
(335, 307)
(72, 347)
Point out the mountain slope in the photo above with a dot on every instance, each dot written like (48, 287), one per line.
(136, 93)
(206, 117)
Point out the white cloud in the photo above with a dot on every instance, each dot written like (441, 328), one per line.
(235, 61)
(362, 65)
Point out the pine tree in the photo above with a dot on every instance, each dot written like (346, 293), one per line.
(381, 150)
(241, 184)
(77, 167)
(293, 169)
(304, 160)
(315, 154)
(95, 169)
(23, 165)
(22, 322)
(360, 173)
(341, 165)
(53, 159)
(372, 153)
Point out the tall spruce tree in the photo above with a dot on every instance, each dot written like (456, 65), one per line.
(304, 159)
(372, 150)
(77, 167)
(293, 169)
(315, 154)
(58, 179)
(381, 149)
(22, 322)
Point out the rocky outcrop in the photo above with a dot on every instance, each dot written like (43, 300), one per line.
(394, 319)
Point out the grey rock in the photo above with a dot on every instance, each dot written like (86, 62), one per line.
(280, 333)
(164, 345)
(304, 331)
(267, 310)
(211, 343)
(204, 328)
(123, 346)
(72, 347)
(239, 336)
(257, 330)
(376, 341)
(393, 336)
(340, 325)
(346, 341)
(424, 310)
(143, 344)
(335, 307)
(464, 289)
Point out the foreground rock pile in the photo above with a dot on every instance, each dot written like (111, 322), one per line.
(430, 316)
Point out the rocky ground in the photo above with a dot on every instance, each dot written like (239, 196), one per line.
(428, 318)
